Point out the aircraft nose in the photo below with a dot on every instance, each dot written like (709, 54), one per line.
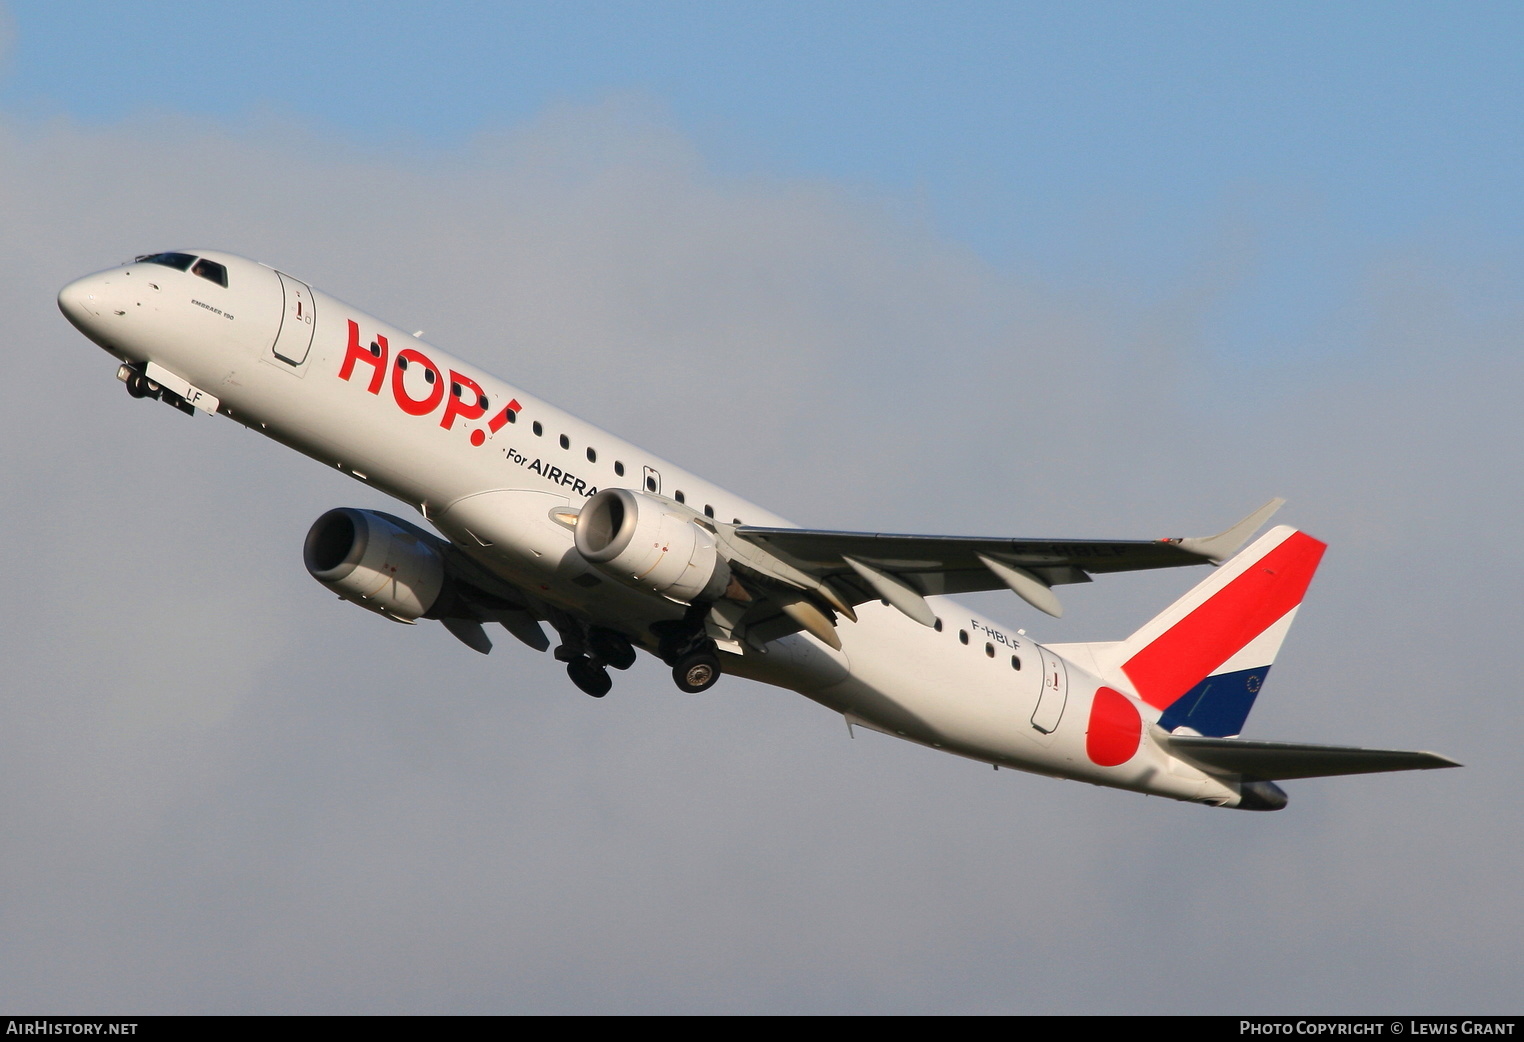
(80, 301)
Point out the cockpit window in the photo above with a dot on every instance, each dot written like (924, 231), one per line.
(178, 261)
(211, 270)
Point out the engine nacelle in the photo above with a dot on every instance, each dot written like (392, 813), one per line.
(377, 561)
(652, 544)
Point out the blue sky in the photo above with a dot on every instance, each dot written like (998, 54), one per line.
(1004, 119)
(1107, 141)
(1023, 269)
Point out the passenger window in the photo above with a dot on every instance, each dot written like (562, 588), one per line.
(592, 455)
(211, 271)
(619, 468)
(481, 401)
(708, 510)
(538, 430)
(565, 442)
(1015, 663)
(678, 495)
(963, 636)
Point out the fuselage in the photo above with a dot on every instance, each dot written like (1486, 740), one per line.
(501, 473)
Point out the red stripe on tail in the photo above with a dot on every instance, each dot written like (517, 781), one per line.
(1188, 651)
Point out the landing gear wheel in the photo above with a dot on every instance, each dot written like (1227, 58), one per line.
(611, 648)
(619, 658)
(697, 672)
(138, 385)
(592, 678)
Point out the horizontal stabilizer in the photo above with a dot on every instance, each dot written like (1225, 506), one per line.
(1278, 761)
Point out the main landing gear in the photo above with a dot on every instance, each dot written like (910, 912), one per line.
(697, 671)
(591, 651)
(589, 654)
(589, 675)
(688, 650)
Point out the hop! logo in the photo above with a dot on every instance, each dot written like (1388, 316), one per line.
(465, 398)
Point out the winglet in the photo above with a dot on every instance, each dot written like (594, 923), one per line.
(1218, 548)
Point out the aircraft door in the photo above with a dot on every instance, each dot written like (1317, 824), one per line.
(1055, 692)
(297, 323)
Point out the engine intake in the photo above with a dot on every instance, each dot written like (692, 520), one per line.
(379, 562)
(652, 544)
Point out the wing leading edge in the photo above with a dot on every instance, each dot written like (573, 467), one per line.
(904, 569)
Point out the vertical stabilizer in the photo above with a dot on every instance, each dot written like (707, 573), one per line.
(1202, 661)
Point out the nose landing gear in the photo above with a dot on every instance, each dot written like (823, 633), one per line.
(140, 386)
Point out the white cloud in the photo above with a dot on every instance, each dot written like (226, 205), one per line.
(224, 790)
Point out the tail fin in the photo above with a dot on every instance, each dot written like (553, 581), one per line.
(1203, 659)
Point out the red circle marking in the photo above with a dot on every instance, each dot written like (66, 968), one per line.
(1115, 729)
(477, 437)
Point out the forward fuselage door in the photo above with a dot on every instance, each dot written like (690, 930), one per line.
(1055, 692)
(298, 322)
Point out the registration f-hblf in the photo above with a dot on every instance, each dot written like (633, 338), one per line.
(545, 518)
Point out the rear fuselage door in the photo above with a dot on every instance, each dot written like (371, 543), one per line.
(298, 322)
(1055, 692)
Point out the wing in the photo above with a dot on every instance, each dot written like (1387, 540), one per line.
(904, 569)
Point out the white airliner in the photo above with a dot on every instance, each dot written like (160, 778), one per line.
(546, 518)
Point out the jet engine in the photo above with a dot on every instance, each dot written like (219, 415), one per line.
(652, 544)
(379, 562)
